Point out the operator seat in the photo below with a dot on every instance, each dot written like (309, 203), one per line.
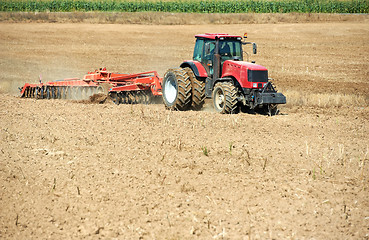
(225, 50)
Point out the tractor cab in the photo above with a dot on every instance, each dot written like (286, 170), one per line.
(213, 49)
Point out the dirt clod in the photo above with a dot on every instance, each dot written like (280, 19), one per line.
(98, 98)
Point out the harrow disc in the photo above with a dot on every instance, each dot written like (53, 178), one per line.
(124, 97)
(32, 92)
(147, 97)
(26, 93)
(79, 94)
(64, 91)
(84, 92)
(68, 93)
(74, 93)
(140, 97)
(116, 98)
(53, 93)
(58, 92)
(48, 92)
(37, 92)
(90, 91)
(131, 97)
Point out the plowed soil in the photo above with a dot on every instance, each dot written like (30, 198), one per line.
(83, 170)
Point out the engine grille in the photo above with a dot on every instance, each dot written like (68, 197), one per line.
(257, 76)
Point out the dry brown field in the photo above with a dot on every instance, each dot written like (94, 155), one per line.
(78, 170)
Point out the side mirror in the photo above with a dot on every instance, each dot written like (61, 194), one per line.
(254, 48)
(207, 48)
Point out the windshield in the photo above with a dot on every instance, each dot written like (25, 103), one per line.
(229, 49)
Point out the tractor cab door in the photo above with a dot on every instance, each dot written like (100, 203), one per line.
(204, 53)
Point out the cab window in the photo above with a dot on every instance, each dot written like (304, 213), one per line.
(197, 53)
(209, 56)
(230, 49)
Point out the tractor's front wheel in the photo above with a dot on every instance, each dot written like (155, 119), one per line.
(225, 98)
(177, 89)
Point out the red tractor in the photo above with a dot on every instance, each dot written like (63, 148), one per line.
(218, 71)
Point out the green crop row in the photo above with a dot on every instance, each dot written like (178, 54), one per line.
(191, 6)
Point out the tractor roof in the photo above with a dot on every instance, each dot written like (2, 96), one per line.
(216, 35)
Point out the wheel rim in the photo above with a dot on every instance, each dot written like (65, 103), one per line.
(170, 89)
(219, 99)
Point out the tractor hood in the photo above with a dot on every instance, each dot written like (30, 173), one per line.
(243, 65)
(243, 71)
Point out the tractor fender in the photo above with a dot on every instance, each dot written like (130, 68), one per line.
(209, 87)
(196, 67)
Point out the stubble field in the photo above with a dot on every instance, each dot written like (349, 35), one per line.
(77, 170)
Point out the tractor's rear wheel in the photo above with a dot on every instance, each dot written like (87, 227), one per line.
(198, 90)
(225, 98)
(177, 89)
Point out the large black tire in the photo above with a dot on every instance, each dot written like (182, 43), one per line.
(198, 90)
(177, 89)
(225, 98)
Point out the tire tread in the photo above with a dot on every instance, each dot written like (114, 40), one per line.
(183, 101)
